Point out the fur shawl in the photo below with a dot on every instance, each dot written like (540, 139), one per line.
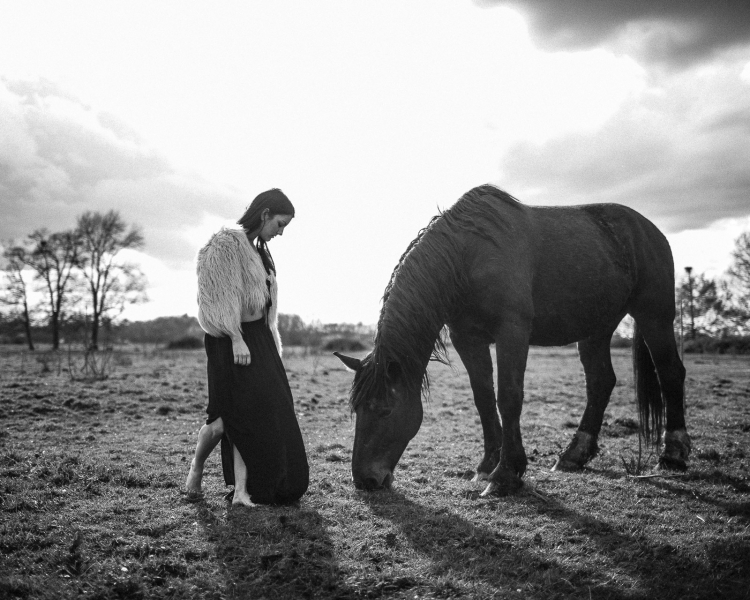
(231, 276)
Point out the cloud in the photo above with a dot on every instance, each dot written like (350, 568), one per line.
(60, 157)
(677, 152)
(669, 32)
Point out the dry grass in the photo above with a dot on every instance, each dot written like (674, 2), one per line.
(91, 506)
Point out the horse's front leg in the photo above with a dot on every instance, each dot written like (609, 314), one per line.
(512, 344)
(475, 354)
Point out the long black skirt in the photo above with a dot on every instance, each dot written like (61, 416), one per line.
(257, 408)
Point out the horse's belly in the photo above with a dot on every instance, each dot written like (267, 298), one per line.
(559, 325)
(557, 333)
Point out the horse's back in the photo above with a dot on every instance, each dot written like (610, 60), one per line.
(570, 232)
(613, 232)
(610, 240)
(574, 270)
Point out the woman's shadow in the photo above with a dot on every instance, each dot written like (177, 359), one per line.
(273, 551)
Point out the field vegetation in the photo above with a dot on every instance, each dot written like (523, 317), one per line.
(92, 466)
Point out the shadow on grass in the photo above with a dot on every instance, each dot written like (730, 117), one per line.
(680, 486)
(274, 552)
(483, 558)
(663, 570)
(633, 567)
(739, 509)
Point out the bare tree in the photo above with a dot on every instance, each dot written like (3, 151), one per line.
(16, 288)
(54, 257)
(111, 283)
(740, 268)
(737, 288)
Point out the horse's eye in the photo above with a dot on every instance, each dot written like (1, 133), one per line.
(381, 412)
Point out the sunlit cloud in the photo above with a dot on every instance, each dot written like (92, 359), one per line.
(677, 152)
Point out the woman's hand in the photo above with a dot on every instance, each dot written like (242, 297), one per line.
(241, 352)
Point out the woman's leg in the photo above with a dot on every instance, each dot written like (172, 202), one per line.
(209, 435)
(241, 496)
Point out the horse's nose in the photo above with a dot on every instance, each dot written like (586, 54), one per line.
(373, 482)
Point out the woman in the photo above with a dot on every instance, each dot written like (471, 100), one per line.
(250, 405)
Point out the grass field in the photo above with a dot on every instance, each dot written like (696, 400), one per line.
(91, 503)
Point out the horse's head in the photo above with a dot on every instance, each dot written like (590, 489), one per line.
(388, 416)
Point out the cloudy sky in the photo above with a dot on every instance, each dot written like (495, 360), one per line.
(370, 116)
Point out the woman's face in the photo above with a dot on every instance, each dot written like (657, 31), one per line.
(273, 226)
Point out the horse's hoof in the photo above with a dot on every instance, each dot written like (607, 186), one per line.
(508, 486)
(489, 490)
(676, 450)
(672, 463)
(480, 477)
(566, 466)
(582, 449)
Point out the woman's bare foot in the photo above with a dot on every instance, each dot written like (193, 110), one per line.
(193, 481)
(242, 498)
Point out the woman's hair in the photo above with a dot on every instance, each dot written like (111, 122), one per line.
(277, 204)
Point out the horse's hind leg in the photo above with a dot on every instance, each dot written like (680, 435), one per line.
(659, 337)
(600, 381)
(475, 354)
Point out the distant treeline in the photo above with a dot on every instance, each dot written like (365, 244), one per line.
(734, 344)
(184, 331)
(701, 344)
(156, 331)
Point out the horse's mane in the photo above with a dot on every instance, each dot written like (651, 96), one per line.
(425, 288)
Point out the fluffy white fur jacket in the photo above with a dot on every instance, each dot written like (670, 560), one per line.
(231, 276)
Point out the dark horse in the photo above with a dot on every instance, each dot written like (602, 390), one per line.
(495, 270)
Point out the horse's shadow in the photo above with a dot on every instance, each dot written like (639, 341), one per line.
(739, 509)
(273, 551)
(473, 552)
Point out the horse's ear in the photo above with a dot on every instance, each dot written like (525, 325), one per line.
(351, 363)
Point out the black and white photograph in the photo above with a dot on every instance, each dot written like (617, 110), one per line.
(336, 299)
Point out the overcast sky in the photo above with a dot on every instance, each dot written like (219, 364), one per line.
(370, 116)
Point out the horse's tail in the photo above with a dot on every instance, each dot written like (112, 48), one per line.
(647, 389)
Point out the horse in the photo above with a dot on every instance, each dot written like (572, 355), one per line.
(494, 270)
